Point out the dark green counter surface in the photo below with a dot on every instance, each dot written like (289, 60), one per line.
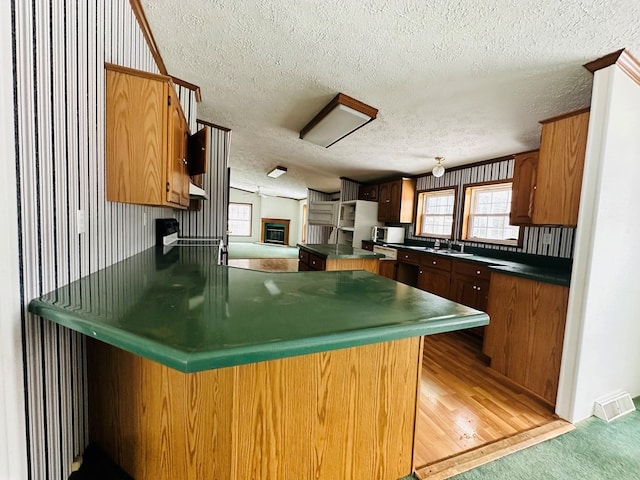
(556, 274)
(183, 311)
(338, 251)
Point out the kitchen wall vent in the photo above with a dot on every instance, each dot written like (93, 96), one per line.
(614, 406)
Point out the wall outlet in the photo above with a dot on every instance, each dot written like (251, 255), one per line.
(80, 222)
(546, 239)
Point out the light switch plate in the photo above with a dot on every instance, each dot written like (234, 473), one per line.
(546, 239)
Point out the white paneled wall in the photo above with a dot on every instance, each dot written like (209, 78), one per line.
(561, 237)
(59, 51)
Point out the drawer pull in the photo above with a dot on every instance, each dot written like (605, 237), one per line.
(435, 263)
(478, 288)
(477, 272)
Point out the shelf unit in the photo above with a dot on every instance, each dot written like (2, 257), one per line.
(356, 219)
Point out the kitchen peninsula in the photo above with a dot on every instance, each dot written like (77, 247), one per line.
(204, 371)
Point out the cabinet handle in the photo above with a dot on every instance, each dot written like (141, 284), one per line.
(388, 201)
(478, 288)
(406, 256)
(184, 160)
(435, 263)
(478, 272)
(420, 272)
(474, 287)
(313, 262)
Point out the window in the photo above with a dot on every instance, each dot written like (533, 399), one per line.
(435, 213)
(240, 219)
(487, 210)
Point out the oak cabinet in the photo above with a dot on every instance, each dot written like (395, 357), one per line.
(146, 140)
(368, 192)
(470, 284)
(395, 201)
(524, 337)
(309, 260)
(523, 188)
(434, 275)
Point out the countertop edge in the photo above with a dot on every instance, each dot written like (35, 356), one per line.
(192, 362)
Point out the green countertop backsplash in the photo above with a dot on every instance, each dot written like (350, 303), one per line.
(182, 310)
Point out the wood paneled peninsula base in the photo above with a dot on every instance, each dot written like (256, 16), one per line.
(347, 413)
(200, 371)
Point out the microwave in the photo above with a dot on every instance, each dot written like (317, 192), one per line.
(387, 234)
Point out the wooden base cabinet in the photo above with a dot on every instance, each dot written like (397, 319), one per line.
(346, 413)
(310, 261)
(526, 331)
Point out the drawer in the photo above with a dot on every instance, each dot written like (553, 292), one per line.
(410, 256)
(469, 269)
(436, 261)
(367, 245)
(316, 262)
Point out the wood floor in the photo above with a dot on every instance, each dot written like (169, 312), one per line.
(464, 404)
(266, 264)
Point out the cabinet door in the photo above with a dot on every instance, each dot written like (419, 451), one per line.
(470, 291)
(524, 337)
(395, 201)
(434, 281)
(177, 179)
(387, 268)
(384, 202)
(134, 138)
(523, 189)
(368, 192)
(559, 177)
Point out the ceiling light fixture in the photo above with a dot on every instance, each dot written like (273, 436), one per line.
(438, 170)
(341, 117)
(276, 172)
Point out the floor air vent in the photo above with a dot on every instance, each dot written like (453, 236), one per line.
(614, 406)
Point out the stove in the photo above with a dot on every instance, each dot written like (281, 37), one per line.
(167, 238)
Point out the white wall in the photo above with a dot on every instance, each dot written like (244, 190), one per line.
(13, 462)
(601, 351)
(268, 207)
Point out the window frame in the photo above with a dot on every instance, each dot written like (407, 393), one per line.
(250, 205)
(464, 225)
(419, 214)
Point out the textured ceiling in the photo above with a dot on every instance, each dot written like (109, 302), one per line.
(466, 80)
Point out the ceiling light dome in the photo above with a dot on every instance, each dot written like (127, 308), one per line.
(438, 170)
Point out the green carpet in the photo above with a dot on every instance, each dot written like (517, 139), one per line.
(256, 250)
(595, 450)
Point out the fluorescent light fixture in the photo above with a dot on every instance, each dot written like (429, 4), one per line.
(341, 117)
(276, 172)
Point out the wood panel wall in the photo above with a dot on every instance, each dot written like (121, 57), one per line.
(59, 51)
(344, 414)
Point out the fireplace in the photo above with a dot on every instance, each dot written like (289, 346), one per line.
(275, 231)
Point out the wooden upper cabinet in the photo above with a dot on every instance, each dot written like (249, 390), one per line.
(560, 165)
(368, 192)
(395, 201)
(146, 140)
(523, 188)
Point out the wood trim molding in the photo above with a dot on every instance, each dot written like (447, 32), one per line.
(137, 73)
(136, 6)
(212, 125)
(622, 58)
(565, 115)
(190, 86)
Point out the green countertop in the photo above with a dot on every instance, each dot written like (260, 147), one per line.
(338, 251)
(542, 273)
(182, 310)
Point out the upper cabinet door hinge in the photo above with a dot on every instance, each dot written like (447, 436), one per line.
(169, 100)
(168, 186)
